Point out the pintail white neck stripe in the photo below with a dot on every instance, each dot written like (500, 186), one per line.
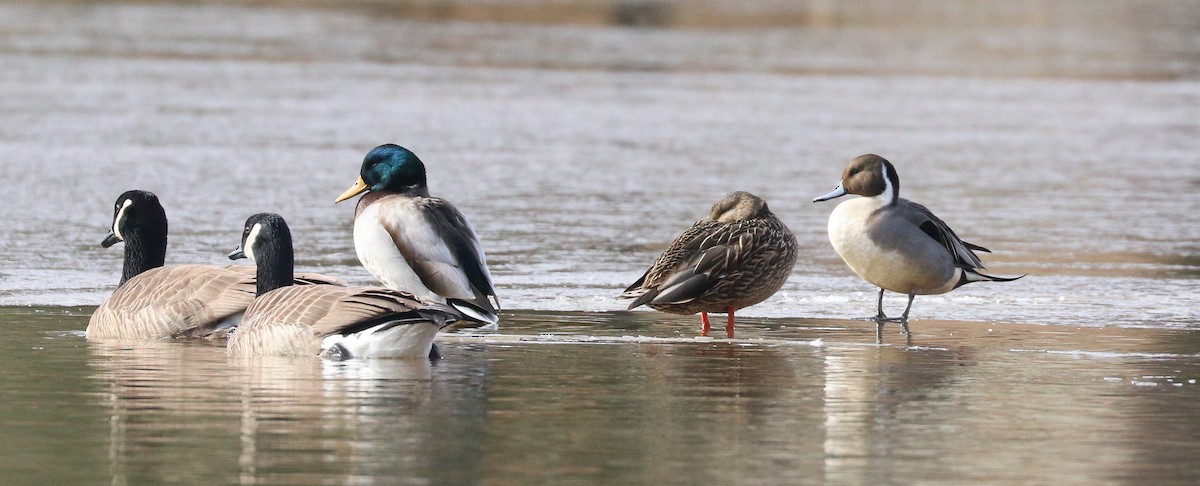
(888, 196)
(116, 229)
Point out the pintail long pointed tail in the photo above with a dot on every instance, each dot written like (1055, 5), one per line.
(974, 275)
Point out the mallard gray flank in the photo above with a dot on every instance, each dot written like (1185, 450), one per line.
(332, 322)
(417, 243)
(894, 243)
(741, 255)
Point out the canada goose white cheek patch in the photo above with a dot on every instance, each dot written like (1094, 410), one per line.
(116, 229)
(248, 246)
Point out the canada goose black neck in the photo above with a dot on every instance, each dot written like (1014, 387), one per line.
(143, 253)
(269, 241)
(140, 221)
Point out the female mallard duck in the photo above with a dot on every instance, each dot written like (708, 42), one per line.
(894, 243)
(736, 258)
(323, 320)
(416, 243)
(155, 301)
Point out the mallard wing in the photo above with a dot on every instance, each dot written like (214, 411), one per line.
(442, 248)
(337, 310)
(701, 257)
(293, 320)
(682, 248)
(168, 301)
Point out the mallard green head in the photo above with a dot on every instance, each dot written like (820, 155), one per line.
(391, 168)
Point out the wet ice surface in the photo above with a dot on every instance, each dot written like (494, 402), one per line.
(575, 178)
(610, 398)
(1066, 142)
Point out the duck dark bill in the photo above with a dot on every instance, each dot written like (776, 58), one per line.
(110, 240)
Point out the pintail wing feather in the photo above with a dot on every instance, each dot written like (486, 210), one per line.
(937, 229)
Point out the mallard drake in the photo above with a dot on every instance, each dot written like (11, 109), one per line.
(321, 320)
(894, 243)
(737, 257)
(156, 301)
(413, 242)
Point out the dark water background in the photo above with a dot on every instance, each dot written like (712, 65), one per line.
(579, 138)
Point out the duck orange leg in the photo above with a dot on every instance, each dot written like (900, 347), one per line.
(729, 324)
(706, 326)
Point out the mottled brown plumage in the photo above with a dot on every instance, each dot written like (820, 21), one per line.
(155, 301)
(295, 320)
(741, 255)
(324, 320)
(169, 301)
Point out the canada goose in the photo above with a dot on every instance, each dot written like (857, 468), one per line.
(895, 243)
(737, 257)
(321, 320)
(413, 242)
(155, 301)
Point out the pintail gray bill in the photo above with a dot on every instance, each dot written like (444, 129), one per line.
(894, 243)
(416, 243)
(321, 320)
(155, 301)
(737, 257)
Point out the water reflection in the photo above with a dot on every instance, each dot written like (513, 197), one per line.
(280, 420)
(966, 402)
(866, 395)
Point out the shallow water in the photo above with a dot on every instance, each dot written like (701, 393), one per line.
(580, 141)
(612, 398)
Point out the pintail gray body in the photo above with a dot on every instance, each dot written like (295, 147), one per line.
(894, 243)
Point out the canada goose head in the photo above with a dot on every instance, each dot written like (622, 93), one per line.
(868, 175)
(739, 206)
(267, 241)
(140, 221)
(391, 168)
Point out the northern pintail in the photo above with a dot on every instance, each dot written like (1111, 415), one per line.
(894, 243)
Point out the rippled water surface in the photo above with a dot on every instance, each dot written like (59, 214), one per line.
(580, 138)
(611, 398)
